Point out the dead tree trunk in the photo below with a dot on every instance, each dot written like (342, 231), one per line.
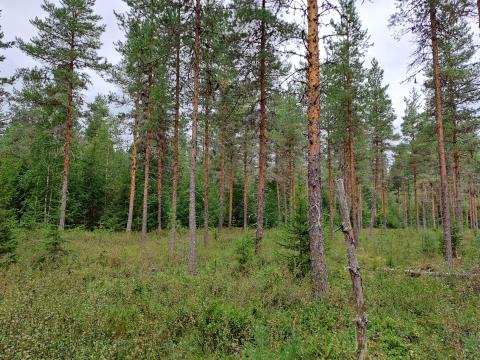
(354, 270)
(317, 246)
(192, 216)
(262, 138)
(447, 239)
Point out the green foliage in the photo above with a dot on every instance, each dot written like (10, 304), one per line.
(7, 242)
(297, 242)
(51, 247)
(430, 241)
(244, 251)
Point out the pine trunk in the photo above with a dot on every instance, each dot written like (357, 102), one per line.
(159, 183)
(262, 157)
(145, 184)
(457, 179)
(424, 206)
(373, 217)
(447, 239)
(245, 183)
(133, 165)
(360, 204)
(206, 159)
(173, 239)
(317, 246)
(192, 216)
(434, 221)
(66, 152)
(221, 205)
(331, 199)
(415, 194)
(230, 193)
(384, 195)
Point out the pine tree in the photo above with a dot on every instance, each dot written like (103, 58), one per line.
(67, 41)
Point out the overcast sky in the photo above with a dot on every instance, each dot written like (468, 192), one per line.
(392, 55)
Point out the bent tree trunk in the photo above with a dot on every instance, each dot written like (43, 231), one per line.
(447, 239)
(315, 232)
(354, 269)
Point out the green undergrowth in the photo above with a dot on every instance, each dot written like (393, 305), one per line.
(112, 296)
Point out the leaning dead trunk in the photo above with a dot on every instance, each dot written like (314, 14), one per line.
(315, 232)
(262, 136)
(66, 152)
(447, 239)
(354, 270)
(192, 221)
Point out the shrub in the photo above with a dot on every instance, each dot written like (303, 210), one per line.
(429, 242)
(244, 250)
(51, 246)
(8, 244)
(456, 239)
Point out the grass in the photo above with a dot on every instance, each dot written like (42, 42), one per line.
(113, 297)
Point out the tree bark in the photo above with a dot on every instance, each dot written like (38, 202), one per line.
(262, 157)
(245, 183)
(351, 157)
(373, 217)
(424, 206)
(66, 151)
(415, 194)
(434, 222)
(331, 195)
(457, 178)
(206, 159)
(317, 246)
(447, 239)
(147, 155)
(133, 165)
(192, 218)
(173, 239)
(145, 183)
(354, 269)
(159, 182)
(384, 195)
(360, 205)
(230, 194)
(221, 205)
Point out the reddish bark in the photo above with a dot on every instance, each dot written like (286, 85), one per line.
(159, 182)
(447, 239)
(317, 247)
(373, 217)
(221, 206)
(206, 158)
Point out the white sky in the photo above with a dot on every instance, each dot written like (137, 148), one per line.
(392, 55)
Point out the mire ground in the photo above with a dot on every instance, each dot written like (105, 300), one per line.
(110, 296)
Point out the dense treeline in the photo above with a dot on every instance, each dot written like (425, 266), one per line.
(208, 120)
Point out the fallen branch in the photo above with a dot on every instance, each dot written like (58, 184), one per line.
(417, 273)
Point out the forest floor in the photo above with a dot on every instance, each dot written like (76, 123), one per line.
(110, 296)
